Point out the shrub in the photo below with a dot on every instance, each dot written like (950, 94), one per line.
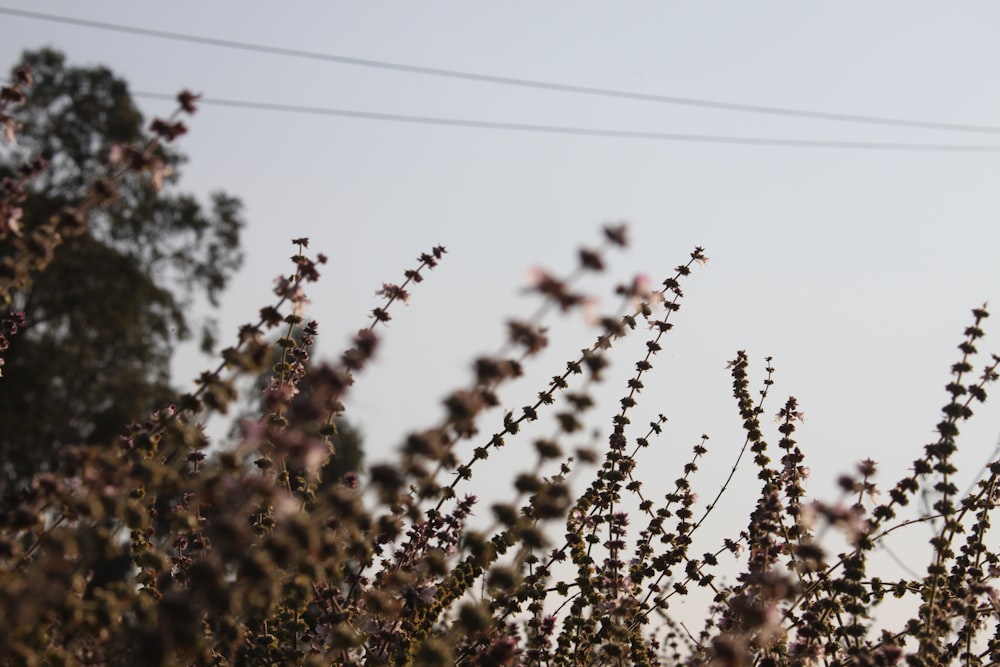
(240, 556)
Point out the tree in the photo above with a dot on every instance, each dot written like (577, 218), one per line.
(103, 319)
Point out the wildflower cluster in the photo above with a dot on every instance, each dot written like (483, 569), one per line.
(240, 555)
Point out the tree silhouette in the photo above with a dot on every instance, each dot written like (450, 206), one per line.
(103, 319)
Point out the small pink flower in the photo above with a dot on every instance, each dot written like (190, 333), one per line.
(535, 276)
(116, 153)
(8, 131)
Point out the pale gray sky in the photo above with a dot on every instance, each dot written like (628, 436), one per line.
(855, 269)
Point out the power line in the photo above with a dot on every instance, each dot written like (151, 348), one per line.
(507, 81)
(583, 131)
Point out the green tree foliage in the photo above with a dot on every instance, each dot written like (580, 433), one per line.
(105, 315)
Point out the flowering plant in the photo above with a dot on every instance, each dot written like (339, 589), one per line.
(239, 555)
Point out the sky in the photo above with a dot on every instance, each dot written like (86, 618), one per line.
(856, 269)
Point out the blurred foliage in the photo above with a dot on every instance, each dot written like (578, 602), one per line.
(106, 313)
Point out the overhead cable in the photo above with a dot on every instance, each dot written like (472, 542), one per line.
(583, 131)
(507, 81)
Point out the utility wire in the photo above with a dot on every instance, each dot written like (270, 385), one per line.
(583, 131)
(508, 81)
